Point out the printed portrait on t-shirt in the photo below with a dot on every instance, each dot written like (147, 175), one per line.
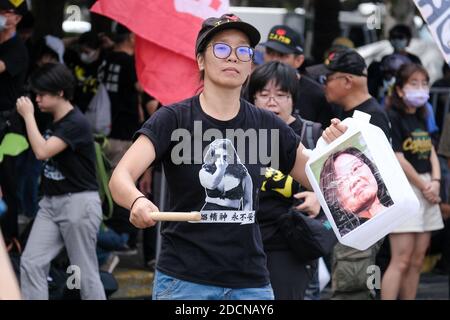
(351, 184)
(228, 185)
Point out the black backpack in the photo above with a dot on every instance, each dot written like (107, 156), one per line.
(308, 238)
(311, 132)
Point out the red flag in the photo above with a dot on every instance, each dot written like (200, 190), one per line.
(166, 31)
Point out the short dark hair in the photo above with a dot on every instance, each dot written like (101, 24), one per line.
(121, 34)
(400, 29)
(90, 39)
(53, 78)
(284, 76)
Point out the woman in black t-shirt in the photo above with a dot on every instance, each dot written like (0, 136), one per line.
(413, 147)
(70, 210)
(220, 257)
(273, 86)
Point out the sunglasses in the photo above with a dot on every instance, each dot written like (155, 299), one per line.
(223, 51)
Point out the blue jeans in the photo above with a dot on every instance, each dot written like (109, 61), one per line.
(168, 288)
(313, 289)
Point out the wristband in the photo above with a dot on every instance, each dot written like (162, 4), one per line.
(438, 180)
(131, 208)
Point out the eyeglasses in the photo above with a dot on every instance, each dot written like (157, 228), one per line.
(279, 98)
(325, 79)
(355, 167)
(223, 51)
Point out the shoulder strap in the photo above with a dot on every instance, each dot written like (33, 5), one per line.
(307, 137)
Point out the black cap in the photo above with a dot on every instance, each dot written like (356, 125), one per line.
(285, 40)
(18, 6)
(346, 61)
(212, 26)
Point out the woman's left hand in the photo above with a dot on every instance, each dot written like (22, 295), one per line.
(310, 203)
(334, 131)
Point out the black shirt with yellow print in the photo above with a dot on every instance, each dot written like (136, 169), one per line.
(276, 197)
(410, 136)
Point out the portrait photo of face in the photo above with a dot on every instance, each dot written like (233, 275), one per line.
(356, 184)
(227, 183)
(352, 185)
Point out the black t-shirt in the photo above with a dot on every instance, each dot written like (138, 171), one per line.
(14, 55)
(87, 83)
(276, 198)
(378, 116)
(118, 73)
(311, 103)
(410, 136)
(73, 169)
(223, 254)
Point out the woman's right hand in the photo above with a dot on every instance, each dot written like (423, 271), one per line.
(431, 192)
(140, 213)
(334, 131)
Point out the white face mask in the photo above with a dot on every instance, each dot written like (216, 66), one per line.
(416, 98)
(88, 58)
(2, 23)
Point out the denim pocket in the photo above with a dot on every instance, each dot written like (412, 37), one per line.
(164, 286)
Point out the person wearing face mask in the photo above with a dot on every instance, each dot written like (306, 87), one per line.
(13, 70)
(399, 38)
(85, 70)
(414, 150)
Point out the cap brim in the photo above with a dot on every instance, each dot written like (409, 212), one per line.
(279, 47)
(318, 70)
(251, 32)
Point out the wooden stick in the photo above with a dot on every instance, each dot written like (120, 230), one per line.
(175, 216)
